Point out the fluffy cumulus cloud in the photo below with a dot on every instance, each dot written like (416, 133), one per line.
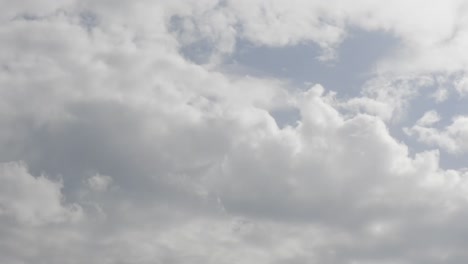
(32, 200)
(452, 138)
(126, 138)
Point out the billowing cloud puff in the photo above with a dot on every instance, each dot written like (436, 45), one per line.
(32, 200)
(452, 138)
(126, 138)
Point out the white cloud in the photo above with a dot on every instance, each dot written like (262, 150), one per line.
(32, 200)
(369, 106)
(440, 95)
(204, 173)
(99, 182)
(452, 138)
(461, 85)
(429, 118)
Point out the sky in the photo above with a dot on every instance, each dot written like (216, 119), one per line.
(233, 131)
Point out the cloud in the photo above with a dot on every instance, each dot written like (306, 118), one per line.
(461, 85)
(429, 118)
(32, 200)
(99, 182)
(440, 95)
(452, 138)
(163, 160)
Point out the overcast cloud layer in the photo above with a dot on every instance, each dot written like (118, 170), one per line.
(135, 132)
